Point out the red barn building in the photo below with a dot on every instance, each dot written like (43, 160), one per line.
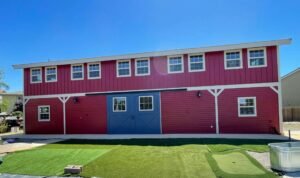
(218, 89)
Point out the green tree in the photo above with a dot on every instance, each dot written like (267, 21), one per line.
(4, 105)
(3, 85)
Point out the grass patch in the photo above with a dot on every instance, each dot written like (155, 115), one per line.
(236, 164)
(152, 161)
(47, 162)
(136, 157)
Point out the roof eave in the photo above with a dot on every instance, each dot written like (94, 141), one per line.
(158, 53)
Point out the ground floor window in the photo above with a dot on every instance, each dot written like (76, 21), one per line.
(146, 103)
(119, 104)
(44, 113)
(247, 106)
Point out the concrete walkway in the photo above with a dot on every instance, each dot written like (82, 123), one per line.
(24, 145)
(147, 136)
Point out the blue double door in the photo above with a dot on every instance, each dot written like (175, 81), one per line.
(134, 113)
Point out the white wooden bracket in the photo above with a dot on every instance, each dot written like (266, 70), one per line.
(274, 89)
(216, 93)
(25, 100)
(64, 99)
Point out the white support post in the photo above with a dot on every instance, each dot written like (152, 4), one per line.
(216, 93)
(64, 100)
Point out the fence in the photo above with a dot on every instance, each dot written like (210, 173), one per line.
(291, 114)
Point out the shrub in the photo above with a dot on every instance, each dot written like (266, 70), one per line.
(3, 127)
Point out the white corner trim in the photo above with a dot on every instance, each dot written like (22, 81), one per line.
(39, 115)
(255, 107)
(240, 59)
(88, 71)
(203, 63)
(265, 57)
(117, 68)
(182, 64)
(77, 72)
(160, 116)
(56, 73)
(113, 100)
(136, 67)
(279, 92)
(41, 75)
(145, 110)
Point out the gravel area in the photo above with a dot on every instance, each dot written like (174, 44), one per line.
(262, 158)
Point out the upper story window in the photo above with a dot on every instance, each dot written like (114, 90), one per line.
(142, 67)
(257, 57)
(196, 62)
(233, 59)
(51, 74)
(36, 75)
(44, 113)
(247, 106)
(77, 72)
(94, 71)
(119, 104)
(175, 64)
(123, 68)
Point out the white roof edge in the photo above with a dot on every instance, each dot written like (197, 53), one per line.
(291, 73)
(158, 53)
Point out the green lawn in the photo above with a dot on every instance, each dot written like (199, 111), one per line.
(143, 158)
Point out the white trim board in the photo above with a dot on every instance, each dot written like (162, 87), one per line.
(159, 53)
(254, 85)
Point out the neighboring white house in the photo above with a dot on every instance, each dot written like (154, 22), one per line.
(291, 89)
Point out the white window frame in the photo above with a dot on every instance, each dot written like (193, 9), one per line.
(113, 100)
(182, 63)
(136, 67)
(203, 63)
(117, 67)
(265, 57)
(240, 59)
(142, 110)
(77, 72)
(46, 74)
(88, 70)
(255, 107)
(39, 114)
(35, 75)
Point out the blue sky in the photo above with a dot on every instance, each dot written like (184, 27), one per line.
(36, 31)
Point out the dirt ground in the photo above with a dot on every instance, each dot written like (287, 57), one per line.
(294, 128)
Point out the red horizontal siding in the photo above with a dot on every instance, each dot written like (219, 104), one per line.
(54, 126)
(87, 116)
(185, 112)
(267, 111)
(215, 74)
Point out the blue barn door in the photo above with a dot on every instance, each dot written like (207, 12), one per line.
(125, 116)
